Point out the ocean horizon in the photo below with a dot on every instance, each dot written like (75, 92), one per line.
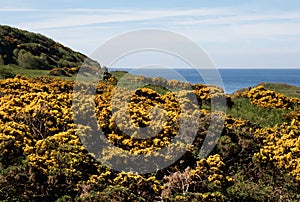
(231, 79)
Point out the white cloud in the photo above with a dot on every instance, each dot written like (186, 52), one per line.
(208, 24)
(97, 16)
(18, 9)
(238, 18)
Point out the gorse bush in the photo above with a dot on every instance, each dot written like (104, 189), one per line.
(43, 157)
(271, 99)
(281, 147)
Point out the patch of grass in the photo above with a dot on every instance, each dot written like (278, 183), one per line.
(287, 90)
(159, 89)
(118, 74)
(31, 73)
(265, 117)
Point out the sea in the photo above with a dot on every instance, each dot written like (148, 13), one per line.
(230, 80)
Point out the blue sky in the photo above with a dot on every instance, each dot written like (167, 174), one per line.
(235, 34)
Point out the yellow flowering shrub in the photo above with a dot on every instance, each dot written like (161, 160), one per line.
(205, 182)
(138, 182)
(208, 92)
(140, 104)
(211, 171)
(271, 99)
(14, 137)
(61, 153)
(43, 159)
(282, 147)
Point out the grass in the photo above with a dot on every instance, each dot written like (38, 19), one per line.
(159, 89)
(31, 73)
(118, 74)
(288, 90)
(38, 72)
(265, 117)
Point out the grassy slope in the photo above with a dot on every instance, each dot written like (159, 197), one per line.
(265, 117)
(288, 90)
(31, 73)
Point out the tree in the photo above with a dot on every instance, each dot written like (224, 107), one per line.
(28, 60)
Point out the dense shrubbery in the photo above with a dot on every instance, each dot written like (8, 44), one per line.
(282, 147)
(268, 98)
(42, 157)
(207, 93)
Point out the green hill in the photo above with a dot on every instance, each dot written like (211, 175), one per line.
(26, 50)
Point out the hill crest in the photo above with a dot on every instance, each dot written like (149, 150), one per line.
(36, 51)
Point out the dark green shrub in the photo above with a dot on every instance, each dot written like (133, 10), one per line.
(30, 61)
(6, 73)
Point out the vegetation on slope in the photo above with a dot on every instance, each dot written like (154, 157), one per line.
(27, 50)
(43, 158)
(285, 89)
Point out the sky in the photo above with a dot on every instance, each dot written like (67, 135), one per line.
(235, 34)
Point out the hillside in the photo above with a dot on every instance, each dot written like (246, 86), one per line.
(27, 50)
(43, 157)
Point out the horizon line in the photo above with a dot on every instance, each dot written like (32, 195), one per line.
(207, 68)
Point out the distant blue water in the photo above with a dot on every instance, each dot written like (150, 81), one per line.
(233, 79)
